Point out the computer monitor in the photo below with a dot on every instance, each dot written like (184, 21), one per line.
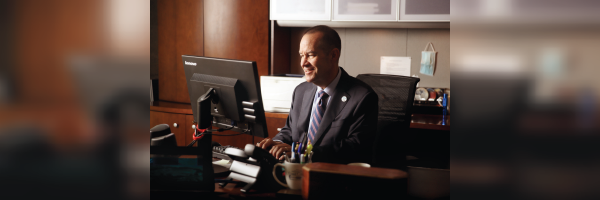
(226, 94)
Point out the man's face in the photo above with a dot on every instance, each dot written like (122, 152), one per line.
(317, 64)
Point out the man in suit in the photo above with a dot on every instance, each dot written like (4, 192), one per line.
(332, 110)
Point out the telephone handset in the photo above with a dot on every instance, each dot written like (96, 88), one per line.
(260, 154)
(249, 171)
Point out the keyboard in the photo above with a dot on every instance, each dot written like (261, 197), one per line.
(225, 152)
(221, 149)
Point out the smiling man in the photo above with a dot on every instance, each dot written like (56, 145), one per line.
(332, 110)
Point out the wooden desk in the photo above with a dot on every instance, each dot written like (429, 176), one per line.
(432, 122)
(337, 181)
(331, 180)
(232, 190)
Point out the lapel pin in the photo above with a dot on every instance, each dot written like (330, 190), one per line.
(344, 99)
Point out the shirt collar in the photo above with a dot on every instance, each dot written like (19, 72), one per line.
(331, 87)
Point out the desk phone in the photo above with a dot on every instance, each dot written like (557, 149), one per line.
(253, 166)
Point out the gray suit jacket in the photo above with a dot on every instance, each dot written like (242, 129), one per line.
(347, 130)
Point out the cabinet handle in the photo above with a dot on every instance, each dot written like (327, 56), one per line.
(175, 125)
(278, 129)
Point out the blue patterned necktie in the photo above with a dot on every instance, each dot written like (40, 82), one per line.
(317, 115)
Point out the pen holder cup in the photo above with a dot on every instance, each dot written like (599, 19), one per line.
(293, 175)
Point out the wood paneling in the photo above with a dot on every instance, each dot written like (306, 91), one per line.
(170, 118)
(238, 30)
(153, 39)
(189, 37)
(274, 121)
(166, 48)
(280, 49)
(239, 141)
(180, 32)
(170, 107)
(213, 28)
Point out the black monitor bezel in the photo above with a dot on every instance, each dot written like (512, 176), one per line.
(247, 74)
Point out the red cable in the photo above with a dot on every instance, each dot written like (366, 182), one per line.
(201, 131)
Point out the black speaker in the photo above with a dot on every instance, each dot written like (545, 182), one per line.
(160, 130)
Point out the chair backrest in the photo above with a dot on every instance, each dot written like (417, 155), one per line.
(396, 97)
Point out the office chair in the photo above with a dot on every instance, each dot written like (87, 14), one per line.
(396, 96)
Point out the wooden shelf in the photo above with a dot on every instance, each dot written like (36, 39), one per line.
(432, 122)
(419, 121)
(171, 107)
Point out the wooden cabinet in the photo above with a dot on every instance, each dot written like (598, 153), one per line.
(356, 11)
(378, 10)
(181, 131)
(300, 10)
(162, 112)
(274, 121)
(419, 10)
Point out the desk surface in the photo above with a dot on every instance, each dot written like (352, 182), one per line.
(233, 190)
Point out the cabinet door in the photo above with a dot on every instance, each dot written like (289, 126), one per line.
(419, 10)
(365, 10)
(181, 133)
(300, 10)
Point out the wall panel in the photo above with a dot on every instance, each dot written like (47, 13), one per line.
(188, 39)
(363, 48)
(238, 30)
(440, 38)
(180, 32)
(166, 48)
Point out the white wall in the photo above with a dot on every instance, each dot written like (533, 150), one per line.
(362, 49)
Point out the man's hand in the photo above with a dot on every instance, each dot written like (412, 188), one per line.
(279, 149)
(267, 143)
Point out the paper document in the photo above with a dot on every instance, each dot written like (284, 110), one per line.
(395, 65)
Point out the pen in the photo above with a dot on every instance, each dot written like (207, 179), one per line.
(305, 140)
(295, 148)
(308, 149)
(293, 159)
(300, 148)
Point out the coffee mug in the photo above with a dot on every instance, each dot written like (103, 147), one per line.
(293, 175)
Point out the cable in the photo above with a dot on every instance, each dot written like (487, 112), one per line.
(233, 123)
(221, 129)
(191, 144)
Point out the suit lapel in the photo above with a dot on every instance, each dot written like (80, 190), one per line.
(307, 102)
(334, 107)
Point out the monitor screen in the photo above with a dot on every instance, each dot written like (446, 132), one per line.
(235, 98)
